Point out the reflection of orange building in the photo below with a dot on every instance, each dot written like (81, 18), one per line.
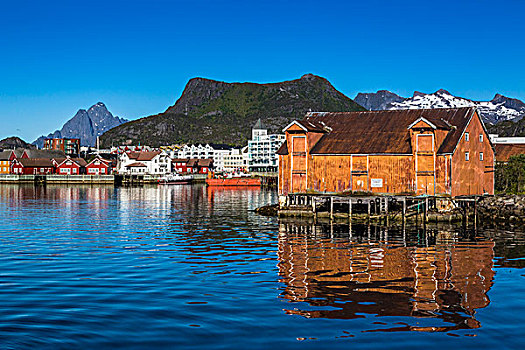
(445, 281)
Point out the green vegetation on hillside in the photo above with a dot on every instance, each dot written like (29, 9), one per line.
(217, 112)
(510, 176)
(508, 128)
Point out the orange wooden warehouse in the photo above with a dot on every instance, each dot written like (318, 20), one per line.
(443, 151)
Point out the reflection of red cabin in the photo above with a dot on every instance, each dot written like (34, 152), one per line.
(180, 165)
(199, 166)
(99, 166)
(70, 166)
(32, 166)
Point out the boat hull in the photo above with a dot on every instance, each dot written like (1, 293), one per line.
(175, 182)
(241, 181)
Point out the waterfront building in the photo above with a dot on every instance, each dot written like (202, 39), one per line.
(506, 150)
(70, 146)
(507, 147)
(200, 166)
(495, 139)
(236, 160)
(70, 166)
(32, 166)
(217, 152)
(443, 151)
(99, 166)
(152, 163)
(262, 149)
(5, 162)
(179, 165)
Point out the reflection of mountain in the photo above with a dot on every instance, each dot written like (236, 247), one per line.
(346, 278)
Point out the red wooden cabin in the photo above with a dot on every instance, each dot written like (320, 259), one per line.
(99, 166)
(70, 166)
(32, 166)
(180, 165)
(200, 166)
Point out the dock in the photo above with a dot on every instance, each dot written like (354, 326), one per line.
(380, 208)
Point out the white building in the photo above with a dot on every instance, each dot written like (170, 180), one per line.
(236, 160)
(152, 163)
(262, 149)
(208, 151)
(494, 138)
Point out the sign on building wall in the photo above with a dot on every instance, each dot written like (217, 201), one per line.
(376, 182)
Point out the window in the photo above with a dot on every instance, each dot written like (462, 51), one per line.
(466, 137)
(480, 137)
(467, 156)
(481, 155)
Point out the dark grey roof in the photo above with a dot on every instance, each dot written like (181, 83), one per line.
(5, 155)
(49, 154)
(259, 125)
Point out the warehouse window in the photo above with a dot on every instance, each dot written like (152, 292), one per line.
(466, 137)
(467, 156)
(480, 137)
(481, 156)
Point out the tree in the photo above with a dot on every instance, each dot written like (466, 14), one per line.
(510, 176)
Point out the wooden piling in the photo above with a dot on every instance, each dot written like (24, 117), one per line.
(426, 209)
(404, 209)
(331, 208)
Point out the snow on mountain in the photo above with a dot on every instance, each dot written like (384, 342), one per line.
(498, 109)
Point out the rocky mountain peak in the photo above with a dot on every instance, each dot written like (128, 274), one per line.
(220, 112)
(442, 92)
(86, 125)
(500, 108)
(14, 142)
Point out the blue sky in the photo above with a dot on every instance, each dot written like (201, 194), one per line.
(136, 56)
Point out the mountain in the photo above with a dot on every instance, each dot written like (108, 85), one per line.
(212, 111)
(14, 142)
(377, 100)
(499, 109)
(86, 125)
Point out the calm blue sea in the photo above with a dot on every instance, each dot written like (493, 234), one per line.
(191, 267)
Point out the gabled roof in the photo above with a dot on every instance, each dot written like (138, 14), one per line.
(308, 125)
(283, 150)
(36, 162)
(41, 153)
(136, 165)
(102, 160)
(80, 161)
(143, 156)
(506, 150)
(259, 125)
(377, 132)
(5, 155)
(180, 160)
(193, 162)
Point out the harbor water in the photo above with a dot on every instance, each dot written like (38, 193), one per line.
(194, 267)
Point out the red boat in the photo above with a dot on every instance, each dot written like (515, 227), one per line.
(234, 181)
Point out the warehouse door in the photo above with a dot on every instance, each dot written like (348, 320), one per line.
(359, 173)
(298, 164)
(425, 172)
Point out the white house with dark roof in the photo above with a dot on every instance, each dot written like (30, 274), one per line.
(151, 162)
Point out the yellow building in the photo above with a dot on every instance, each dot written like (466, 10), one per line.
(4, 162)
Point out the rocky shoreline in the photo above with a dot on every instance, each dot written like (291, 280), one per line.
(503, 208)
(508, 209)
